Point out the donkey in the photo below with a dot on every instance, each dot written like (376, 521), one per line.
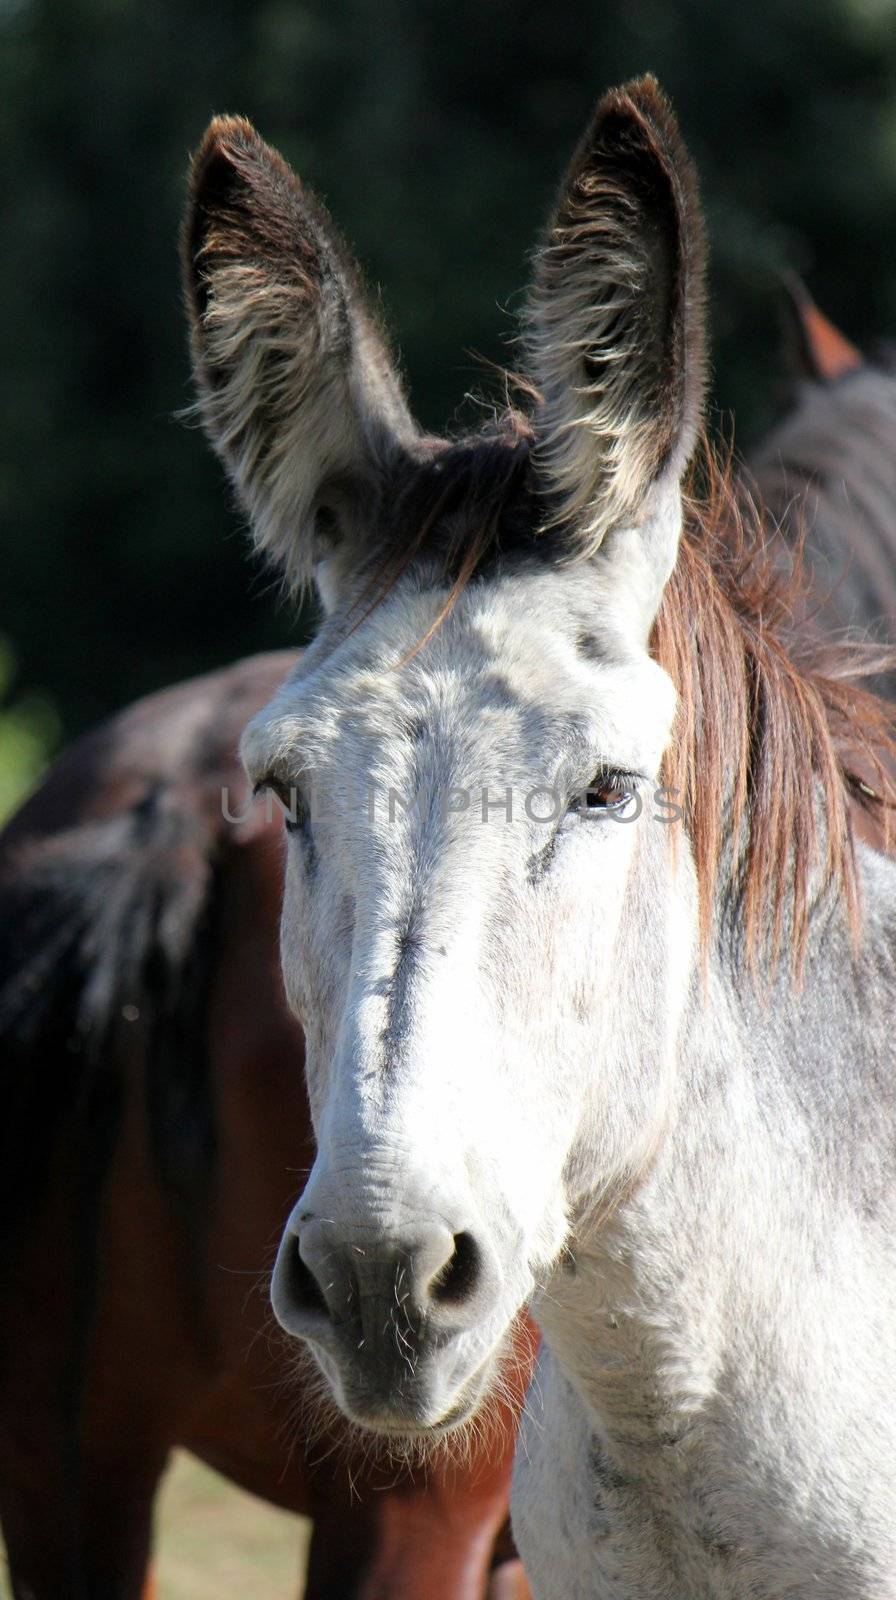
(597, 982)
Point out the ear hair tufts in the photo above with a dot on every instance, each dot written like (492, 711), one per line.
(295, 386)
(615, 320)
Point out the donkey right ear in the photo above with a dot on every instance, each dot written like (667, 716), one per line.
(296, 388)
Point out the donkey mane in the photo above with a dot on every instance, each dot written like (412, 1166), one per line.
(776, 741)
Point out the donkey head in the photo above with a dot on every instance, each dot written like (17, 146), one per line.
(485, 930)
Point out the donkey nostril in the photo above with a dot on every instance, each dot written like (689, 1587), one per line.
(303, 1289)
(460, 1275)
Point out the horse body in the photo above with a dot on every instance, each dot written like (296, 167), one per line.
(639, 1076)
(155, 1135)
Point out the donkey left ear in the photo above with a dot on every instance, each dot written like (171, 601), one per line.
(297, 388)
(616, 321)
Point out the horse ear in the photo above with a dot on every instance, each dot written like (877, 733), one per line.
(818, 350)
(616, 320)
(296, 388)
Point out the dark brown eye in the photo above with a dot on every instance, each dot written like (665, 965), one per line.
(609, 791)
(285, 799)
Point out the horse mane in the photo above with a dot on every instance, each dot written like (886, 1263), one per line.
(774, 730)
(104, 950)
(111, 877)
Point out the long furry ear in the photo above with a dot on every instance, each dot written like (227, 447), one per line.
(615, 320)
(296, 387)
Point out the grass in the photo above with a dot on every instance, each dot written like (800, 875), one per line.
(213, 1542)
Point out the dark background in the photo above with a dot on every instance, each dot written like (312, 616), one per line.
(437, 133)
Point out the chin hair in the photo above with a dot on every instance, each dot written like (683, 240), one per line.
(314, 1425)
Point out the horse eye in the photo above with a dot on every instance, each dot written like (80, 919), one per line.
(609, 791)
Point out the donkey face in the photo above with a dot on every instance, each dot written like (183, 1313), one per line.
(484, 930)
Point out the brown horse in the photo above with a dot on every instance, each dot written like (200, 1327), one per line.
(154, 1135)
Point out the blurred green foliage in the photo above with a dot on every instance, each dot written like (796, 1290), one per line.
(437, 133)
(29, 729)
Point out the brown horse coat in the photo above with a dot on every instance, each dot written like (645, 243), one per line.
(155, 1135)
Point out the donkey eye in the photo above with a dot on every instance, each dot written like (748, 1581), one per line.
(608, 791)
(289, 802)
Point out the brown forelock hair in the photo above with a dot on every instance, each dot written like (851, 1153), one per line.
(773, 727)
